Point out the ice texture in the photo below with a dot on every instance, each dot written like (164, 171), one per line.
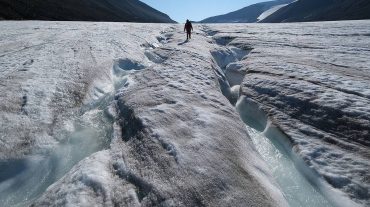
(311, 80)
(296, 188)
(123, 114)
(168, 135)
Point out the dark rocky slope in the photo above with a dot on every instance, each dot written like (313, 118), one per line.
(82, 10)
(318, 10)
(247, 14)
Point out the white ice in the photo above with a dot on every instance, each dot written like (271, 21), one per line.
(267, 13)
(296, 188)
(312, 81)
(133, 115)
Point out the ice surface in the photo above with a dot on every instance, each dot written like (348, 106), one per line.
(166, 134)
(65, 89)
(22, 180)
(296, 188)
(133, 115)
(312, 81)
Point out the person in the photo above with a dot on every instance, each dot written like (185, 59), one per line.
(188, 27)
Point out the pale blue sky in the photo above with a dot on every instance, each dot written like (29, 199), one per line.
(196, 10)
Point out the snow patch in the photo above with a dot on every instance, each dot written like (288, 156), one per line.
(270, 11)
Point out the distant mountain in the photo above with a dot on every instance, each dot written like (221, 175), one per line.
(81, 10)
(321, 10)
(247, 14)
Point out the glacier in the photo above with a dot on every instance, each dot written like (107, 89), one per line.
(125, 114)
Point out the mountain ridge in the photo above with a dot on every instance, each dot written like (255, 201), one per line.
(297, 11)
(248, 14)
(317, 10)
(83, 10)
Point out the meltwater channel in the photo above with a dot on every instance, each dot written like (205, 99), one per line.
(23, 181)
(296, 188)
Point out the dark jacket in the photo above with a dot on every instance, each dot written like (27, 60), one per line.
(188, 26)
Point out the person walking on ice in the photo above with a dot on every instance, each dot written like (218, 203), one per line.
(188, 27)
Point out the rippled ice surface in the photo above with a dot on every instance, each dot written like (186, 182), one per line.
(22, 181)
(297, 190)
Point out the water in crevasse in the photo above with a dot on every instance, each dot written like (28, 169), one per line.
(296, 188)
(23, 181)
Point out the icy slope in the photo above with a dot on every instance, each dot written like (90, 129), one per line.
(50, 70)
(56, 98)
(111, 114)
(313, 84)
(149, 102)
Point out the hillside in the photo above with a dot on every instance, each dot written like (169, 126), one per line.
(318, 10)
(247, 14)
(82, 10)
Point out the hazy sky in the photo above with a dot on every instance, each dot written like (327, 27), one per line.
(196, 10)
